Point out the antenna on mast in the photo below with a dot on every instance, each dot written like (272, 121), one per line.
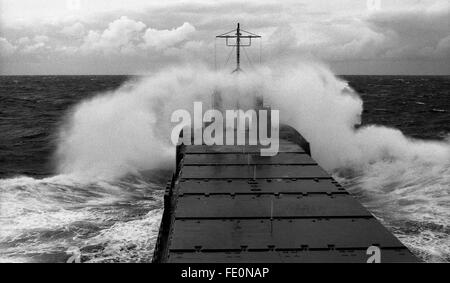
(238, 34)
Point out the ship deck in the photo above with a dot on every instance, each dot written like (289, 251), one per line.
(229, 204)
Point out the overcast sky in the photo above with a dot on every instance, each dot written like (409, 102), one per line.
(141, 36)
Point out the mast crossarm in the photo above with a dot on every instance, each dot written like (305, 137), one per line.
(241, 36)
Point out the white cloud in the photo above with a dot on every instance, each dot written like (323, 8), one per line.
(41, 39)
(159, 33)
(411, 33)
(128, 36)
(414, 33)
(34, 48)
(75, 30)
(6, 48)
(23, 40)
(37, 45)
(443, 46)
(122, 35)
(161, 39)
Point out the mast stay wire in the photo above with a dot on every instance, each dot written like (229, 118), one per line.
(215, 54)
(227, 32)
(260, 51)
(229, 56)
(249, 32)
(248, 59)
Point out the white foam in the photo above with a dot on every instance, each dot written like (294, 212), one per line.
(128, 130)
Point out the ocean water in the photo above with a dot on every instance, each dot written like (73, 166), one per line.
(46, 214)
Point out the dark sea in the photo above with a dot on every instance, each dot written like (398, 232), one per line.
(45, 216)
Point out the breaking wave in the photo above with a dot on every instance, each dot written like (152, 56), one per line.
(107, 199)
(405, 182)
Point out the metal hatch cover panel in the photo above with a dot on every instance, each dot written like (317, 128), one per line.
(267, 186)
(296, 256)
(252, 172)
(353, 233)
(247, 159)
(224, 149)
(267, 206)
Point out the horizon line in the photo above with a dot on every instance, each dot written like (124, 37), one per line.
(142, 75)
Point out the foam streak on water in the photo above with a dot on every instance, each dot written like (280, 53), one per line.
(411, 198)
(106, 221)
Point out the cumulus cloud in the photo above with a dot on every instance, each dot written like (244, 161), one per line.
(160, 39)
(341, 31)
(414, 33)
(122, 35)
(41, 39)
(128, 36)
(23, 40)
(443, 46)
(37, 45)
(75, 30)
(6, 48)
(402, 34)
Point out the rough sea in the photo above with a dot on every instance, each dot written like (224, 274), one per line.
(44, 215)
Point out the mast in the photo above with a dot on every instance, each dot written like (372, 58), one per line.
(238, 49)
(238, 34)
